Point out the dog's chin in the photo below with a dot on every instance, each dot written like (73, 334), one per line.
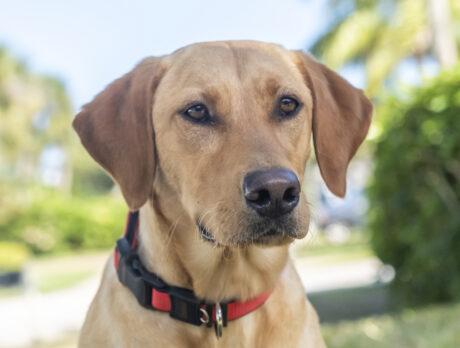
(270, 238)
(266, 238)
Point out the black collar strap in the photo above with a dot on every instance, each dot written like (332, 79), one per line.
(181, 303)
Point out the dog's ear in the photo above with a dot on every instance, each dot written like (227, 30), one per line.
(116, 129)
(341, 119)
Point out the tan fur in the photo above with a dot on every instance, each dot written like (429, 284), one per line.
(180, 173)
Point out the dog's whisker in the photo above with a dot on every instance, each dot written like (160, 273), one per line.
(209, 211)
(170, 234)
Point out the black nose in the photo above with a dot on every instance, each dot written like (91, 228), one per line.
(271, 192)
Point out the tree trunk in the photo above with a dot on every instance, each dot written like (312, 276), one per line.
(444, 40)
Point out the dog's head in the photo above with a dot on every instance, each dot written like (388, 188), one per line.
(220, 133)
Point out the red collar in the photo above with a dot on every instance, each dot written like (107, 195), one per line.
(181, 303)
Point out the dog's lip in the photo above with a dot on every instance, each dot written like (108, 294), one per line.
(205, 234)
(269, 236)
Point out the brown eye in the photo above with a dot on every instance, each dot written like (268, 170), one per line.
(197, 112)
(288, 106)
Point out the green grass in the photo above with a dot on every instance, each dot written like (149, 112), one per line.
(10, 291)
(319, 250)
(430, 327)
(57, 272)
(56, 281)
(334, 254)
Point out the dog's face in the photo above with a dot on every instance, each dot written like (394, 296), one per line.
(223, 130)
(218, 116)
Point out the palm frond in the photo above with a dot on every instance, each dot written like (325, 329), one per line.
(395, 43)
(353, 37)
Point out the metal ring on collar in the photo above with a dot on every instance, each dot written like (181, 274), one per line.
(205, 317)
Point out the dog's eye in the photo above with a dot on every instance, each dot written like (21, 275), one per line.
(288, 106)
(197, 112)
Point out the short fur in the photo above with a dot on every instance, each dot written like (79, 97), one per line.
(179, 173)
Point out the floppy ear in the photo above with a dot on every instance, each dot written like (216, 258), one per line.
(341, 119)
(116, 129)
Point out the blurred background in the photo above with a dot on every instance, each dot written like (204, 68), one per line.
(382, 266)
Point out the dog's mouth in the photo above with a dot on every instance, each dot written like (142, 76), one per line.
(270, 236)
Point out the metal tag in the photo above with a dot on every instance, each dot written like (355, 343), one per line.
(219, 325)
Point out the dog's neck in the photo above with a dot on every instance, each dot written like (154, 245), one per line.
(176, 252)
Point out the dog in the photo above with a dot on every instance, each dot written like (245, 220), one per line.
(209, 145)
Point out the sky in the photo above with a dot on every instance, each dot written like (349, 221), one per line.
(87, 44)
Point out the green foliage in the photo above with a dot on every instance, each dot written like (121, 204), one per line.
(379, 35)
(435, 326)
(13, 256)
(35, 116)
(50, 221)
(35, 112)
(88, 177)
(415, 191)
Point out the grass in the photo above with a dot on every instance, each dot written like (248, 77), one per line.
(57, 272)
(433, 326)
(10, 291)
(318, 250)
(339, 254)
(56, 281)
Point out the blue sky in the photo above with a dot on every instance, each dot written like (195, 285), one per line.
(87, 44)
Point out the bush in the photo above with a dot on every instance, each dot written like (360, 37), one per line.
(13, 256)
(415, 191)
(51, 221)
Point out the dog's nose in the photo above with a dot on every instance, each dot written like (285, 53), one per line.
(271, 192)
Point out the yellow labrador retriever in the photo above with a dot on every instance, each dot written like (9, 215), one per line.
(210, 144)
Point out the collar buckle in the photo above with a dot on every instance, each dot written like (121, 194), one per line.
(185, 306)
(131, 276)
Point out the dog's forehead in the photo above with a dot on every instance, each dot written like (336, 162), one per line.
(230, 60)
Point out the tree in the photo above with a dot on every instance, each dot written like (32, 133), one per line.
(35, 112)
(380, 34)
(35, 118)
(444, 41)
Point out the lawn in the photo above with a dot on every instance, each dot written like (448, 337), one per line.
(317, 249)
(430, 327)
(57, 272)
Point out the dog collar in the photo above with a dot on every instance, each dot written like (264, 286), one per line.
(153, 293)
